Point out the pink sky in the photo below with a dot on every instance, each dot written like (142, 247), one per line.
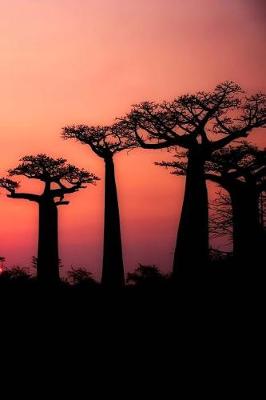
(87, 61)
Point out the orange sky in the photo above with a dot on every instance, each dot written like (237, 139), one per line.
(87, 61)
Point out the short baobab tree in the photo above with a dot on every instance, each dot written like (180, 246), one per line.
(106, 142)
(59, 179)
(200, 123)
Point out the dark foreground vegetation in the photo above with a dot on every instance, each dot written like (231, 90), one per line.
(151, 324)
(147, 294)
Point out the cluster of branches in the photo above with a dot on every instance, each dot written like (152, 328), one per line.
(221, 221)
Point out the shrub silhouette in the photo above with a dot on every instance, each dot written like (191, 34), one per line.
(16, 273)
(80, 277)
(16, 278)
(146, 276)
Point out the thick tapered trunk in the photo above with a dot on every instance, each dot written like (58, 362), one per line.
(192, 246)
(48, 259)
(249, 240)
(113, 268)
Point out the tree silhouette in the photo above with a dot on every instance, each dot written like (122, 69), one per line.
(59, 179)
(106, 141)
(201, 123)
(241, 171)
(221, 216)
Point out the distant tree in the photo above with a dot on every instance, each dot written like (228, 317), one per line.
(106, 141)
(191, 122)
(221, 216)
(59, 179)
(241, 171)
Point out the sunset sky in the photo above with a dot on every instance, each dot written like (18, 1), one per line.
(87, 61)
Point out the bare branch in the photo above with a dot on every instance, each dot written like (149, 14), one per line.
(11, 187)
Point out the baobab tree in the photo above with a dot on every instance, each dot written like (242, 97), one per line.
(241, 171)
(106, 141)
(221, 216)
(59, 179)
(201, 123)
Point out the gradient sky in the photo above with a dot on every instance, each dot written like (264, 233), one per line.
(87, 61)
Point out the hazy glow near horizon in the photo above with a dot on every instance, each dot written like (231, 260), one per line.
(87, 61)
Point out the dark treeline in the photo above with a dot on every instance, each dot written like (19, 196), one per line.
(203, 130)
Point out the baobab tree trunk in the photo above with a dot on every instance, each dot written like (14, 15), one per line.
(249, 240)
(113, 268)
(48, 259)
(192, 245)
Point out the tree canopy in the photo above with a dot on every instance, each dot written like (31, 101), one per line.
(67, 177)
(104, 140)
(212, 119)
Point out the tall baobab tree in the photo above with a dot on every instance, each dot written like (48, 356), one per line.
(59, 179)
(201, 123)
(241, 171)
(106, 141)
